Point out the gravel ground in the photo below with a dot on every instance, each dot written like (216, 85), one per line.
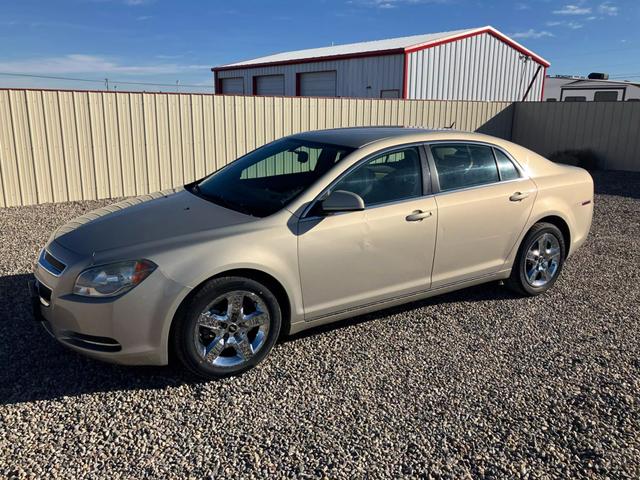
(477, 383)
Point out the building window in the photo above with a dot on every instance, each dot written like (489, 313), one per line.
(390, 93)
(575, 99)
(606, 96)
(552, 99)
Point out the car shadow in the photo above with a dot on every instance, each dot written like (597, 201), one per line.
(36, 367)
(480, 293)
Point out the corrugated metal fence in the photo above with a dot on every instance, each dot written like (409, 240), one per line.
(58, 146)
(610, 129)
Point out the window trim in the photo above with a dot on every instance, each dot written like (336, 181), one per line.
(435, 180)
(427, 180)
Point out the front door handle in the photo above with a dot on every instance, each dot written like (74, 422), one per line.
(418, 216)
(518, 196)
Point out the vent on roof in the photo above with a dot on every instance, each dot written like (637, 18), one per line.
(598, 76)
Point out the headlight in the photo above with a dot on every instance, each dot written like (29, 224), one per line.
(113, 279)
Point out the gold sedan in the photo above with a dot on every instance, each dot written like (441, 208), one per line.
(307, 230)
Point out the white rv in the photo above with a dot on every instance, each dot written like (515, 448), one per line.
(595, 88)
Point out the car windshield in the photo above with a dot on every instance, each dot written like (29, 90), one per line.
(265, 180)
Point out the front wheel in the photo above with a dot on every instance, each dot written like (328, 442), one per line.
(228, 327)
(539, 261)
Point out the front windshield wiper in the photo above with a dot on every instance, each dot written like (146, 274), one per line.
(220, 200)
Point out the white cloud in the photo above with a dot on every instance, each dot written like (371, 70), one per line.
(79, 63)
(608, 8)
(531, 33)
(522, 6)
(572, 25)
(573, 10)
(388, 4)
(135, 3)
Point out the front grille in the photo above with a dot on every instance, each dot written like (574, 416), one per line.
(50, 263)
(90, 342)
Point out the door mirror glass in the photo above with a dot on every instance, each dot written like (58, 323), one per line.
(342, 201)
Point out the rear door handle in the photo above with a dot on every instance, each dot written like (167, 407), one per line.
(518, 196)
(418, 216)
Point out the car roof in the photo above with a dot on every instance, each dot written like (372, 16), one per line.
(357, 137)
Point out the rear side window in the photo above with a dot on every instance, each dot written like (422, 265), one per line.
(462, 165)
(508, 170)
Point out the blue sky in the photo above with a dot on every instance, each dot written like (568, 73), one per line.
(164, 41)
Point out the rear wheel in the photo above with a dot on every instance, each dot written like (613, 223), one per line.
(228, 327)
(539, 261)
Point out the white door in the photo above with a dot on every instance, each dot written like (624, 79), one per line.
(317, 84)
(352, 259)
(269, 85)
(232, 86)
(483, 207)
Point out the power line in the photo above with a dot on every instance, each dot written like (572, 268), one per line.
(51, 77)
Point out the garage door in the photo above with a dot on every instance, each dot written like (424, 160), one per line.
(232, 86)
(269, 85)
(317, 84)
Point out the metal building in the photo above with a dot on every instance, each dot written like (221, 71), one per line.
(580, 89)
(473, 64)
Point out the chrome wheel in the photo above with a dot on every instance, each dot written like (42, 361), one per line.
(232, 329)
(542, 260)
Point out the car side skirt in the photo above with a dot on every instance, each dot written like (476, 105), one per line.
(361, 310)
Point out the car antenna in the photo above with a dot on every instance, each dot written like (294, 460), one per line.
(452, 125)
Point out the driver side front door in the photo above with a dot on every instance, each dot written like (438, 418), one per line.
(354, 259)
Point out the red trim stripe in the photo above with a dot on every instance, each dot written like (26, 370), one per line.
(393, 51)
(345, 56)
(405, 77)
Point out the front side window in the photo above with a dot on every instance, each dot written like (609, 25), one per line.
(464, 165)
(265, 180)
(386, 178)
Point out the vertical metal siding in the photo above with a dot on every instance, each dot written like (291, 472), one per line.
(61, 146)
(610, 129)
(474, 68)
(353, 75)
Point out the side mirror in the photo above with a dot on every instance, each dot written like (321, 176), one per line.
(342, 201)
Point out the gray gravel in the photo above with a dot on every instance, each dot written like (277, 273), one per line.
(476, 383)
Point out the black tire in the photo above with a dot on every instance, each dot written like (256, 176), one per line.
(184, 329)
(518, 281)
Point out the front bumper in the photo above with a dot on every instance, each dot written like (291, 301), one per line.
(131, 329)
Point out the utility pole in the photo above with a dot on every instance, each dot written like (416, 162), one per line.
(106, 82)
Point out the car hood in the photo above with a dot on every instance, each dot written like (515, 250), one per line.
(149, 218)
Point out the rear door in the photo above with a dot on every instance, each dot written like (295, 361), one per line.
(484, 202)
